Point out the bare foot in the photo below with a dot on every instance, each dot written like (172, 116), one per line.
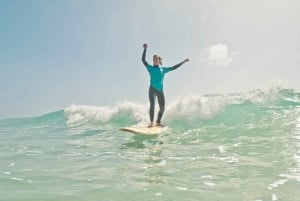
(150, 125)
(159, 125)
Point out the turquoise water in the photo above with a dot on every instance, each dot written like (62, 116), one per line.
(229, 147)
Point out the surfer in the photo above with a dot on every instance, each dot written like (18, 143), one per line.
(157, 74)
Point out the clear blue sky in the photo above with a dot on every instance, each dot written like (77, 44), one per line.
(61, 52)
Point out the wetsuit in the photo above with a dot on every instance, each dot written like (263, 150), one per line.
(156, 86)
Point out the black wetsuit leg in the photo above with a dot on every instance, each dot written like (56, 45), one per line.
(152, 102)
(153, 93)
(161, 103)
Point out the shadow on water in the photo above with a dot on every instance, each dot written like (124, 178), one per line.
(90, 133)
(141, 142)
(147, 152)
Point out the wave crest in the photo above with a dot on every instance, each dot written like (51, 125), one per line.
(192, 108)
(124, 112)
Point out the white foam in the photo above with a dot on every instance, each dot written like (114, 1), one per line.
(208, 106)
(162, 163)
(16, 179)
(197, 107)
(206, 177)
(274, 197)
(182, 188)
(229, 159)
(222, 148)
(278, 183)
(188, 108)
(86, 113)
(211, 184)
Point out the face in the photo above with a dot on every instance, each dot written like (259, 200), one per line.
(155, 60)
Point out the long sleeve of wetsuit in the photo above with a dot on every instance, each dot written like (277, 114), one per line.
(176, 66)
(144, 57)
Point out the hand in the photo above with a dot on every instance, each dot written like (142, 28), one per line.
(145, 45)
(186, 60)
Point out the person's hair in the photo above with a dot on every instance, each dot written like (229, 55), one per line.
(160, 60)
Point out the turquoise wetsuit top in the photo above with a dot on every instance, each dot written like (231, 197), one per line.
(157, 73)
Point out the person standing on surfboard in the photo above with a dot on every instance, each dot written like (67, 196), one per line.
(157, 74)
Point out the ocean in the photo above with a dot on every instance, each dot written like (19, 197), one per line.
(218, 147)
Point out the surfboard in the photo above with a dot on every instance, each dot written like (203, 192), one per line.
(144, 130)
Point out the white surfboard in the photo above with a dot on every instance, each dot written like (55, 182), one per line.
(144, 130)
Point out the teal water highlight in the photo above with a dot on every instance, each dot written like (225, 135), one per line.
(243, 146)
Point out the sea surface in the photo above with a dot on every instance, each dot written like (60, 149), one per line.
(217, 147)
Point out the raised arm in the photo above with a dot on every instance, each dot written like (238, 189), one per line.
(144, 55)
(178, 65)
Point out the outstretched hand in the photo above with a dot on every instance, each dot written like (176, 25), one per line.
(186, 60)
(145, 45)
